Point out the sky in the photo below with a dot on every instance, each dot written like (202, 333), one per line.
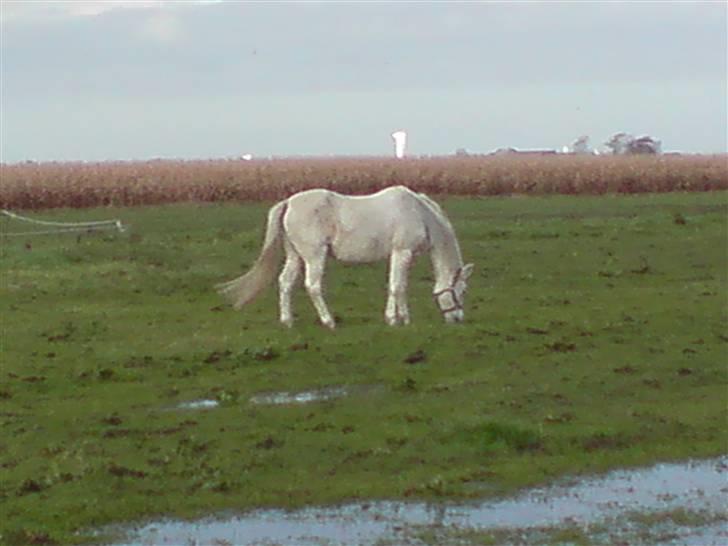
(96, 81)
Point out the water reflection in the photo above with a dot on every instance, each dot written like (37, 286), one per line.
(695, 486)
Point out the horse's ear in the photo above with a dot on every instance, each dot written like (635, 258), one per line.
(466, 271)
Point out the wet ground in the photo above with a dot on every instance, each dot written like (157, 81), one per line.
(634, 507)
(304, 397)
(198, 405)
(285, 397)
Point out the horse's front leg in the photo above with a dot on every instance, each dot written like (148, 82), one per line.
(314, 277)
(287, 281)
(397, 310)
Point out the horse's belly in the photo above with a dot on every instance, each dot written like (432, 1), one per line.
(359, 249)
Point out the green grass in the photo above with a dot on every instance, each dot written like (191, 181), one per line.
(595, 338)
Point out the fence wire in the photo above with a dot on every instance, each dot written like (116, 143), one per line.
(60, 227)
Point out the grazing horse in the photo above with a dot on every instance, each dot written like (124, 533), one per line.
(395, 223)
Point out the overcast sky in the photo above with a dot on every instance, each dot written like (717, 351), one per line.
(195, 79)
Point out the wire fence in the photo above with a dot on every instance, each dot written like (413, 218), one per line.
(60, 227)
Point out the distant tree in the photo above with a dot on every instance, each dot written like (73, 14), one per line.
(619, 143)
(645, 145)
(581, 145)
(626, 144)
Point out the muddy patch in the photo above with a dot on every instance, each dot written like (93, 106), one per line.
(592, 503)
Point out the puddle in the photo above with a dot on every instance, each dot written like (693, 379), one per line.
(695, 486)
(285, 397)
(198, 405)
(305, 397)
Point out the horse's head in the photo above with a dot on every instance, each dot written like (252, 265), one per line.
(450, 299)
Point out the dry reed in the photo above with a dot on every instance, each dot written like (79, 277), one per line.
(50, 185)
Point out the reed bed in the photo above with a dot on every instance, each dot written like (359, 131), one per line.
(33, 186)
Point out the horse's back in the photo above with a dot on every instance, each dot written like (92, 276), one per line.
(358, 228)
(309, 217)
(390, 202)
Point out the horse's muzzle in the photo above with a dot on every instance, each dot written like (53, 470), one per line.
(454, 317)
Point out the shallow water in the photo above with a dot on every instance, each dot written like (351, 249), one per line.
(695, 486)
(279, 398)
(305, 397)
(198, 405)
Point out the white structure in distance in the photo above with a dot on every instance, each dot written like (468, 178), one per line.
(580, 146)
(400, 143)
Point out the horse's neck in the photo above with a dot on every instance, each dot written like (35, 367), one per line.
(445, 252)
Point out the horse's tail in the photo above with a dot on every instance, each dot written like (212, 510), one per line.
(246, 287)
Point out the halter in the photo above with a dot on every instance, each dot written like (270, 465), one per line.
(457, 304)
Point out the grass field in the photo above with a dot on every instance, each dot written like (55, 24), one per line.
(595, 338)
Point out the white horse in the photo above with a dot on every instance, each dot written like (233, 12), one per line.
(395, 223)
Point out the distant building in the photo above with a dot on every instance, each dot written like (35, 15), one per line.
(515, 151)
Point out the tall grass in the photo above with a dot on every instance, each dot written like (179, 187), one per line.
(49, 185)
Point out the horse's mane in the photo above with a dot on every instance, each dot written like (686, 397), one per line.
(435, 208)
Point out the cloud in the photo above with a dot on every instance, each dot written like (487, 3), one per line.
(17, 11)
(157, 21)
(49, 12)
(239, 74)
(162, 27)
(97, 8)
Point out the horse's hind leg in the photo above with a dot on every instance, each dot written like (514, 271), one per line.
(314, 276)
(287, 281)
(397, 310)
